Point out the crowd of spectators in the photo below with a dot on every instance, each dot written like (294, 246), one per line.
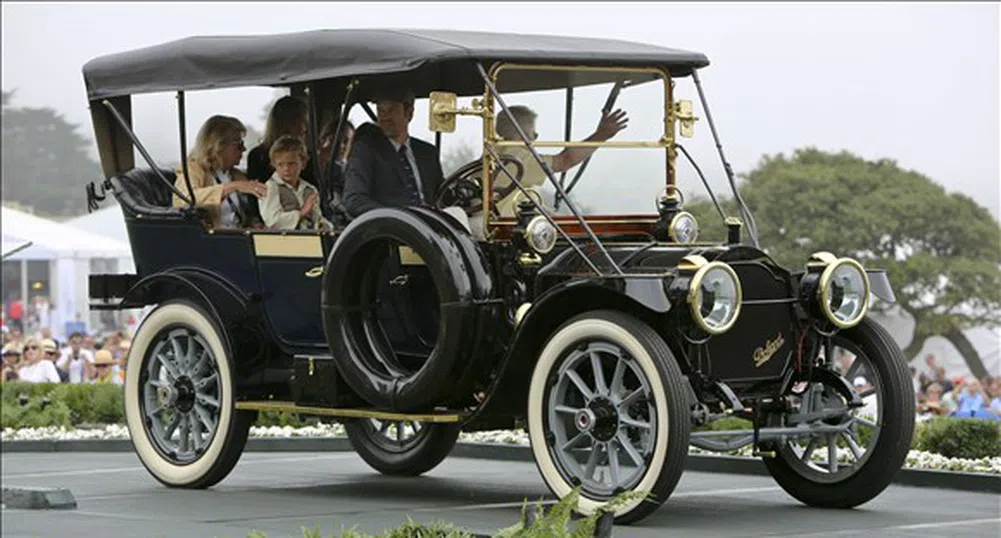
(83, 358)
(938, 394)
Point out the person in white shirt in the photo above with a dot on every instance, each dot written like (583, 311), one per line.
(291, 203)
(36, 369)
(534, 177)
(76, 360)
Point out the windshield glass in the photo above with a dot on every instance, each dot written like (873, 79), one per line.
(614, 180)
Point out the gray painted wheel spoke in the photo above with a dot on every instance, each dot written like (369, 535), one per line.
(628, 421)
(613, 462)
(208, 400)
(867, 393)
(196, 432)
(853, 369)
(631, 398)
(581, 386)
(399, 432)
(566, 409)
(175, 344)
(198, 364)
(168, 366)
(200, 385)
(866, 422)
(856, 450)
(592, 460)
(154, 411)
(184, 433)
(169, 431)
(205, 418)
(620, 370)
(832, 453)
(810, 447)
(627, 445)
(575, 441)
(189, 357)
(600, 387)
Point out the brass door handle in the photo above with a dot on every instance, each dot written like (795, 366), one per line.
(315, 272)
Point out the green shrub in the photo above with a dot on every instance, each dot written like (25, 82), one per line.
(971, 438)
(284, 418)
(37, 411)
(726, 423)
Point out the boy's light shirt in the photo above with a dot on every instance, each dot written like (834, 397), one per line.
(271, 210)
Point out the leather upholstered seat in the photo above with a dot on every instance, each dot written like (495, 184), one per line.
(141, 191)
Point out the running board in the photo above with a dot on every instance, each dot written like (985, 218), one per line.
(291, 407)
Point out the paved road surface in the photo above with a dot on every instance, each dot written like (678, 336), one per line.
(277, 493)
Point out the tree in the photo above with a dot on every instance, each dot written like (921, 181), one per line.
(45, 164)
(456, 156)
(942, 251)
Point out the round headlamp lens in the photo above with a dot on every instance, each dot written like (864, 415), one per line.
(684, 228)
(844, 293)
(540, 235)
(716, 298)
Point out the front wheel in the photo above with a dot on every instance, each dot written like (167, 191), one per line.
(607, 414)
(179, 399)
(862, 449)
(401, 448)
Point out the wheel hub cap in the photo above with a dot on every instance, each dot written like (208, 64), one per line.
(606, 419)
(585, 419)
(184, 391)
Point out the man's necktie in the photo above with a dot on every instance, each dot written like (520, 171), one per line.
(409, 179)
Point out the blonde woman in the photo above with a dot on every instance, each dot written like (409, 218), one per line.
(219, 186)
(35, 369)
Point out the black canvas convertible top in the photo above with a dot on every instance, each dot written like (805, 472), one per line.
(429, 59)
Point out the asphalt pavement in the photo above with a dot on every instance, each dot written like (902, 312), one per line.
(278, 493)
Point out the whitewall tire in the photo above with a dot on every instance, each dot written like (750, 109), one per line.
(607, 413)
(179, 398)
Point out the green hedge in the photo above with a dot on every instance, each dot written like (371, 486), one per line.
(35, 405)
(26, 405)
(960, 437)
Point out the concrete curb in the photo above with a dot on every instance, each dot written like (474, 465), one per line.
(38, 498)
(977, 482)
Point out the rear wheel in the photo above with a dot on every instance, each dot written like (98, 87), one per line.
(179, 399)
(401, 448)
(606, 413)
(849, 467)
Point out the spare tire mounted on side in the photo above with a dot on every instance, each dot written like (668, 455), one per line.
(363, 354)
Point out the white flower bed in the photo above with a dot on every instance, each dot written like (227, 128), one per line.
(916, 459)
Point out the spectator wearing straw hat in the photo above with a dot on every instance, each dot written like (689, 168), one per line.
(11, 362)
(105, 369)
(50, 352)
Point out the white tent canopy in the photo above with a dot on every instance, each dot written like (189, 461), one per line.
(52, 240)
(69, 253)
(107, 222)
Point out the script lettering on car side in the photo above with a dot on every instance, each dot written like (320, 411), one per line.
(763, 353)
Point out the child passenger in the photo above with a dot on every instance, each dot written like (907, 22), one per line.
(291, 203)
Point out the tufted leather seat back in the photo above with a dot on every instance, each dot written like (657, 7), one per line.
(141, 191)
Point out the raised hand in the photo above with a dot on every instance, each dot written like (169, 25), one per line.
(611, 123)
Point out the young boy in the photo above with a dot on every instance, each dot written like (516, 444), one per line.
(291, 203)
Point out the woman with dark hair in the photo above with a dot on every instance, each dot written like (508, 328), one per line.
(288, 116)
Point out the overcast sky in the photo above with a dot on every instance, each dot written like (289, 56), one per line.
(915, 83)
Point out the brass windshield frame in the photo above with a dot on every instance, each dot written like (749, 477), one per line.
(667, 140)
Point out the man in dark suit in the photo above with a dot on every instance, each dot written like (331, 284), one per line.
(388, 167)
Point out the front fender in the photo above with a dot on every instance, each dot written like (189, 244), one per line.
(642, 297)
(879, 285)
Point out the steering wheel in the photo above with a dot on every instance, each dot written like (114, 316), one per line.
(464, 187)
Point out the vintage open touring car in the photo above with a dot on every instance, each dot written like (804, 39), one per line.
(609, 337)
